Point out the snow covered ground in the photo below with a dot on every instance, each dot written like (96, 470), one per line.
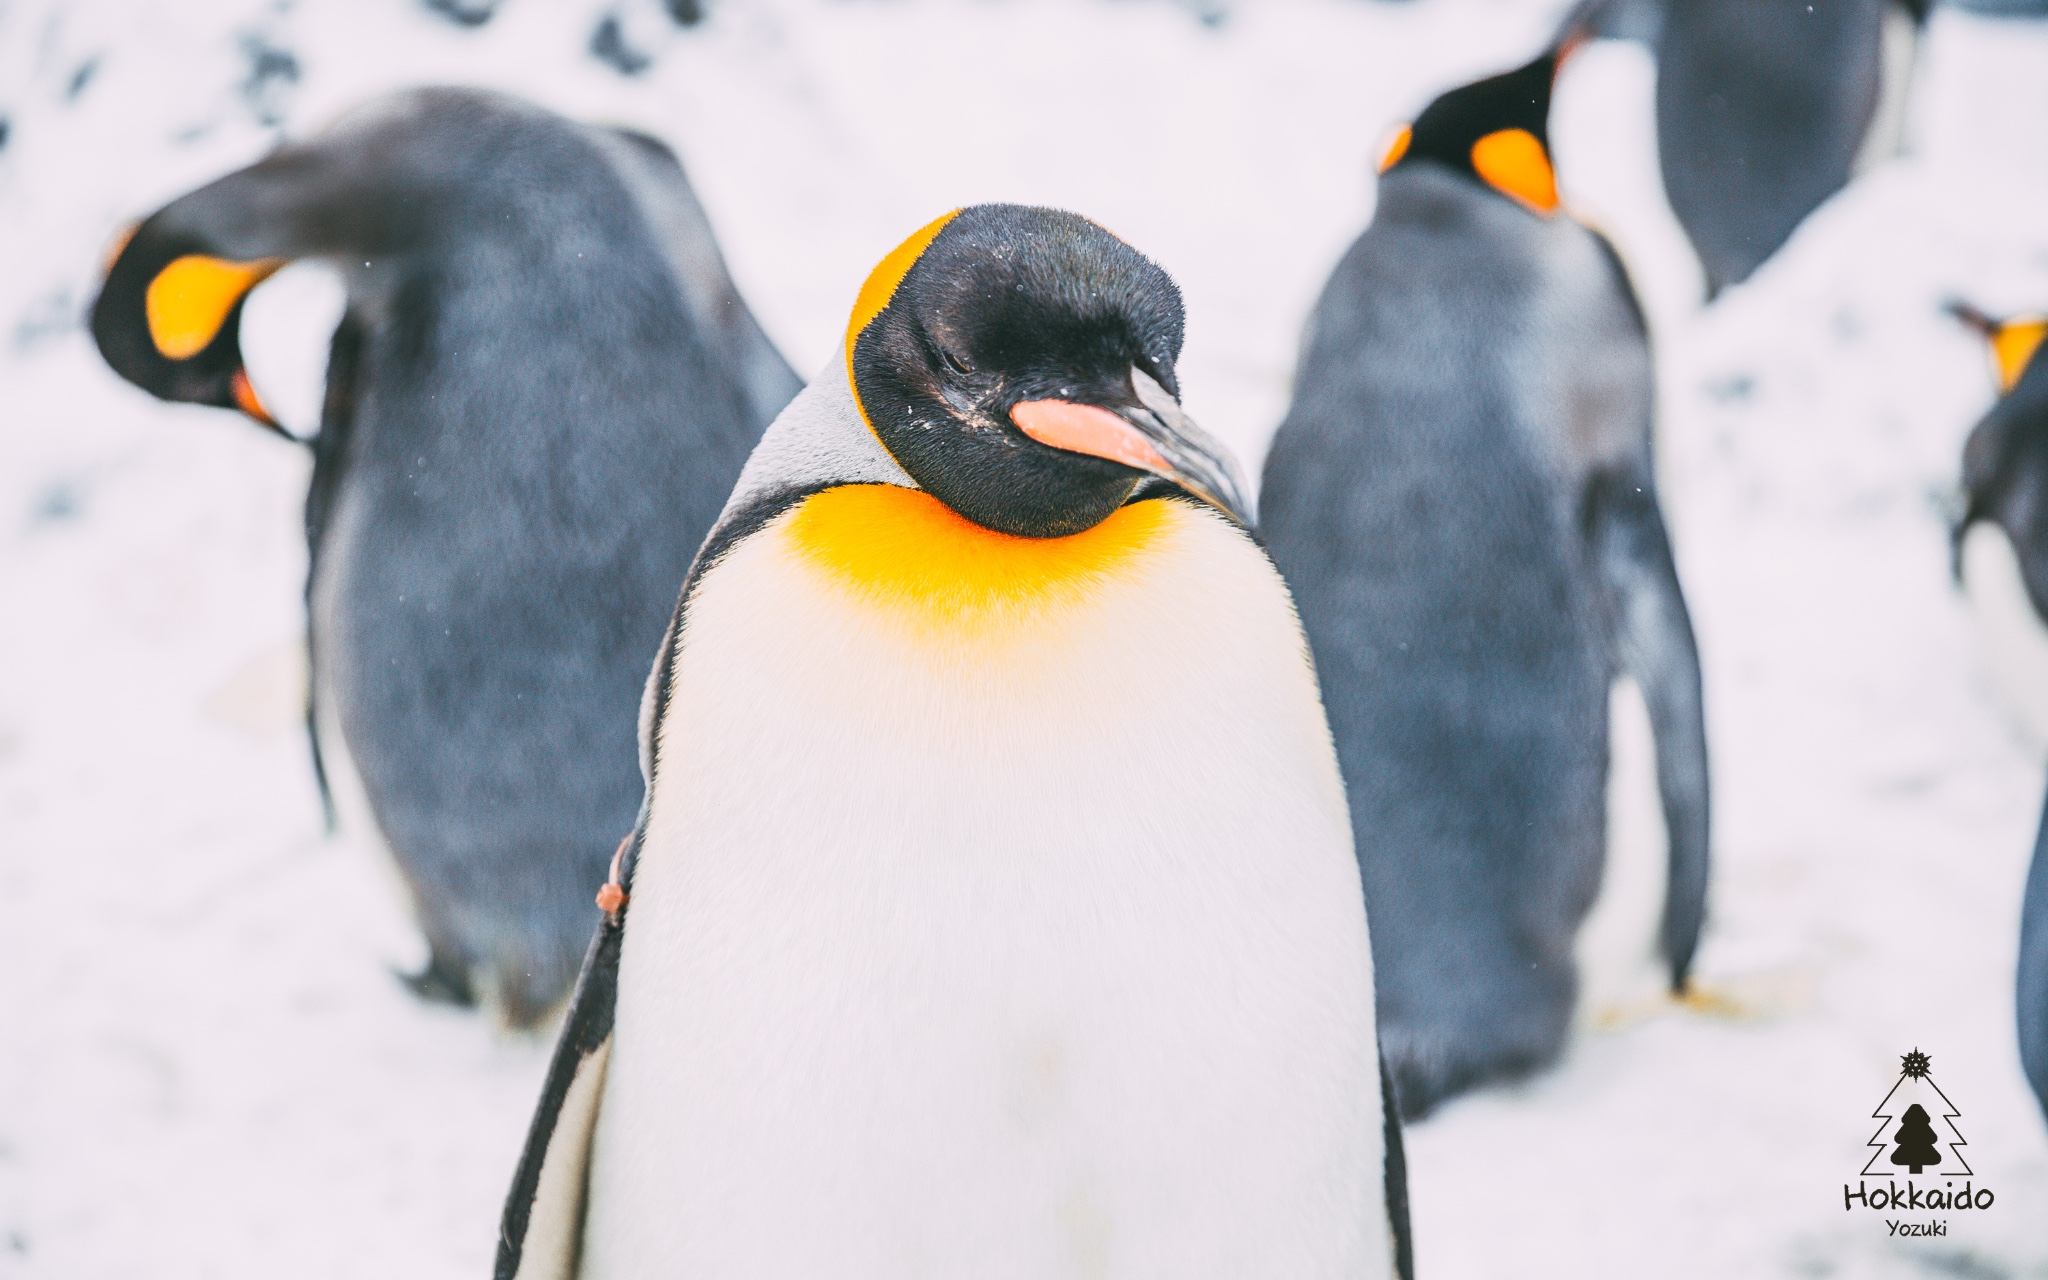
(205, 1069)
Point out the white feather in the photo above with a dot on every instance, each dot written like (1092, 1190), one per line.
(1620, 969)
(1042, 957)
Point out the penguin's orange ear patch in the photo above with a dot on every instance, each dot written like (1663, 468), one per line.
(1397, 148)
(2013, 344)
(190, 299)
(1515, 164)
(888, 273)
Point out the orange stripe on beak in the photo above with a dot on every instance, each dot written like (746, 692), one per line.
(1085, 428)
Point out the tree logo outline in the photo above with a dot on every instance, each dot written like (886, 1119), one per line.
(1906, 1139)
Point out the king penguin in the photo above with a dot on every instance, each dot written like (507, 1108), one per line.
(1462, 498)
(2001, 541)
(542, 390)
(1765, 108)
(993, 910)
(2002, 558)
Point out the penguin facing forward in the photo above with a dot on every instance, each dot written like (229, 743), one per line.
(1767, 108)
(2002, 559)
(993, 911)
(542, 390)
(1463, 500)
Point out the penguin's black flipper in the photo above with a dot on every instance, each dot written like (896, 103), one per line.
(540, 1236)
(2032, 988)
(1396, 1175)
(1654, 643)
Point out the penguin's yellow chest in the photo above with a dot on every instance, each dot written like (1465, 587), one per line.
(909, 558)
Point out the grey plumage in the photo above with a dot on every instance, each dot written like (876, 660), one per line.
(1765, 109)
(540, 394)
(1462, 498)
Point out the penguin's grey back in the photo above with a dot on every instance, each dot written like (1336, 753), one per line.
(1472, 378)
(1763, 111)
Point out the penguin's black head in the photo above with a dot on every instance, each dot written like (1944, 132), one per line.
(1019, 364)
(1495, 131)
(168, 319)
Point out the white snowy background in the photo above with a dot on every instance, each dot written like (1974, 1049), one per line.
(206, 1069)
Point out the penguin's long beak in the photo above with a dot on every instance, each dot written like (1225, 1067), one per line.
(1154, 435)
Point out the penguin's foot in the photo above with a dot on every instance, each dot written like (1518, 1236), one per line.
(441, 982)
(1762, 996)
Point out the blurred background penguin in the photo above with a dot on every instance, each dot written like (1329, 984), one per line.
(1463, 499)
(2001, 540)
(1765, 109)
(2002, 561)
(540, 394)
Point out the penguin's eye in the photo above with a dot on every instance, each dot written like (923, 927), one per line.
(955, 363)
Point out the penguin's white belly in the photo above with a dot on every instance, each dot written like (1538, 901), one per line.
(1622, 974)
(2015, 641)
(993, 935)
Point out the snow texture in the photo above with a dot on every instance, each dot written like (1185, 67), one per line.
(205, 1067)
